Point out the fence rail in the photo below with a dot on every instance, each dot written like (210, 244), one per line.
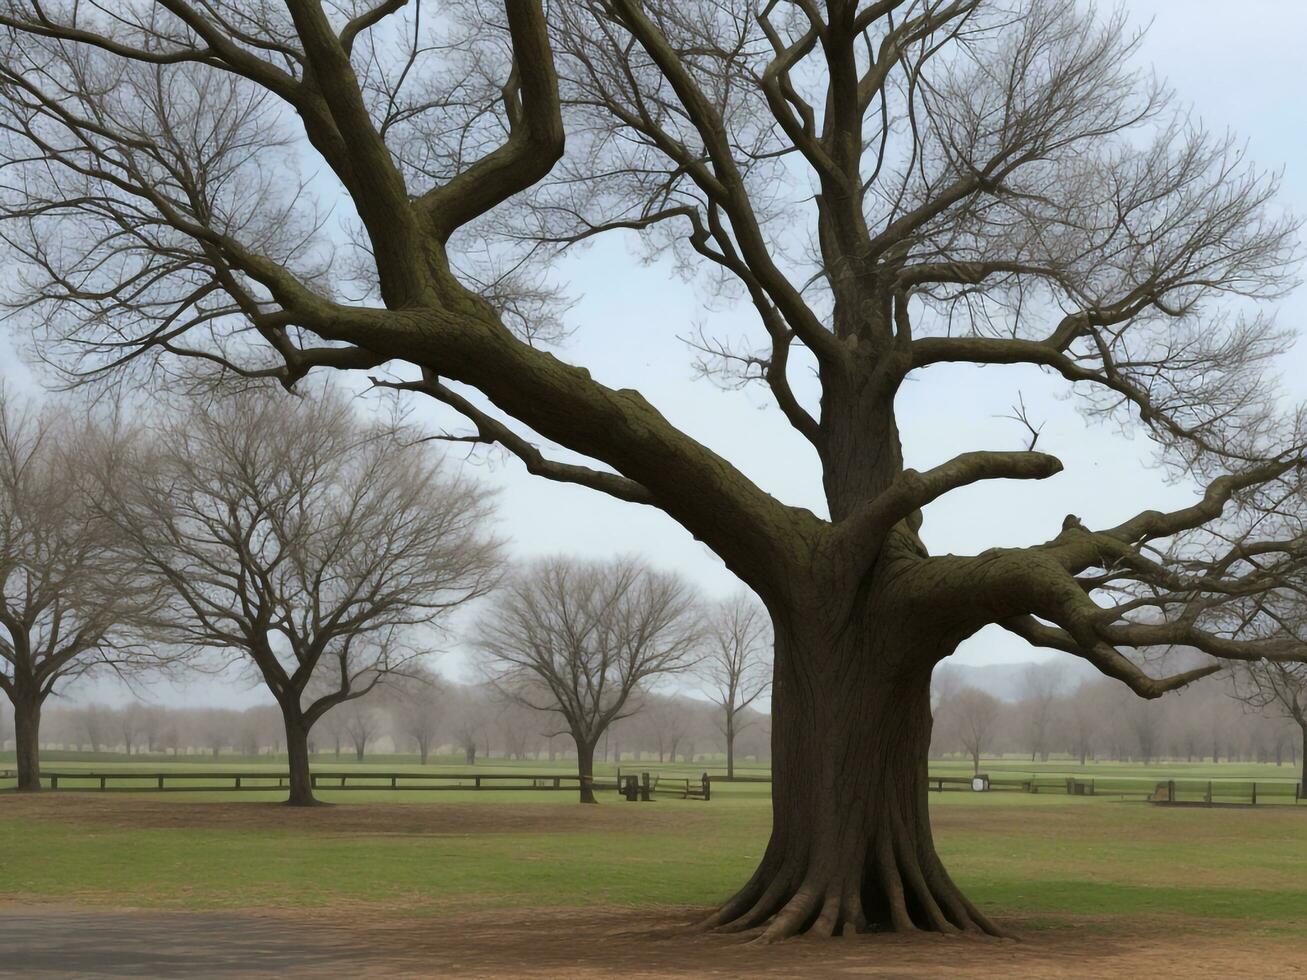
(74, 781)
(1211, 792)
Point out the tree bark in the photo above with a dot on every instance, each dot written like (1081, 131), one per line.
(730, 744)
(27, 740)
(297, 757)
(851, 845)
(585, 767)
(1303, 759)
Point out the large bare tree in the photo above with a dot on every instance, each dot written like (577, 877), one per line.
(892, 185)
(301, 541)
(737, 663)
(69, 599)
(577, 640)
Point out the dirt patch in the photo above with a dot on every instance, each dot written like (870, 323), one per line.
(593, 944)
(586, 944)
(373, 819)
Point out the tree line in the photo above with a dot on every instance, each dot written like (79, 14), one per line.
(446, 722)
(1215, 720)
(322, 555)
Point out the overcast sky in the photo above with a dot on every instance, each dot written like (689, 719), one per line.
(1240, 66)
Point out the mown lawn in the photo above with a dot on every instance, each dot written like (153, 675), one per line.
(1016, 855)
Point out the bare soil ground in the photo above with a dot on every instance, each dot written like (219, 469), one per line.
(50, 941)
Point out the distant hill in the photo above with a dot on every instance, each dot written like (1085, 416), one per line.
(1004, 681)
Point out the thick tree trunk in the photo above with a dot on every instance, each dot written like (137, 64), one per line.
(851, 845)
(27, 741)
(469, 754)
(585, 767)
(297, 757)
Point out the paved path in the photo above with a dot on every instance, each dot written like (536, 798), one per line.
(41, 941)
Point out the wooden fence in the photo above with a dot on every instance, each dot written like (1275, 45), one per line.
(208, 782)
(1214, 792)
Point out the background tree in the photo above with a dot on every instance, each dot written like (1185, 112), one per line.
(665, 720)
(577, 639)
(975, 716)
(736, 663)
(362, 725)
(1280, 689)
(1041, 686)
(891, 184)
(301, 541)
(417, 710)
(472, 713)
(68, 599)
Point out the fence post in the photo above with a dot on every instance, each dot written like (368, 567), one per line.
(393, 781)
(54, 782)
(707, 787)
(645, 788)
(160, 780)
(1209, 792)
(1254, 794)
(1170, 791)
(238, 782)
(103, 780)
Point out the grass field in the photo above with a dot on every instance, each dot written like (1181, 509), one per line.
(1044, 861)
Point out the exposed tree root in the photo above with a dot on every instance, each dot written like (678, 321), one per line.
(892, 890)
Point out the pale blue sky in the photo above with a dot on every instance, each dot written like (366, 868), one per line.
(1240, 66)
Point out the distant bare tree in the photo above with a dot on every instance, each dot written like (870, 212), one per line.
(473, 713)
(95, 721)
(417, 708)
(301, 541)
(362, 725)
(1041, 685)
(975, 716)
(667, 718)
(1279, 688)
(737, 662)
(1085, 716)
(576, 640)
(68, 597)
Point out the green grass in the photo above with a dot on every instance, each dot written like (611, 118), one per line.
(1015, 854)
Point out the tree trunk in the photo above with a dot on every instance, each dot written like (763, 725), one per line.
(358, 752)
(730, 744)
(27, 741)
(470, 754)
(424, 750)
(975, 763)
(851, 845)
(297, 757)
(1304, 760)
(585, 767)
